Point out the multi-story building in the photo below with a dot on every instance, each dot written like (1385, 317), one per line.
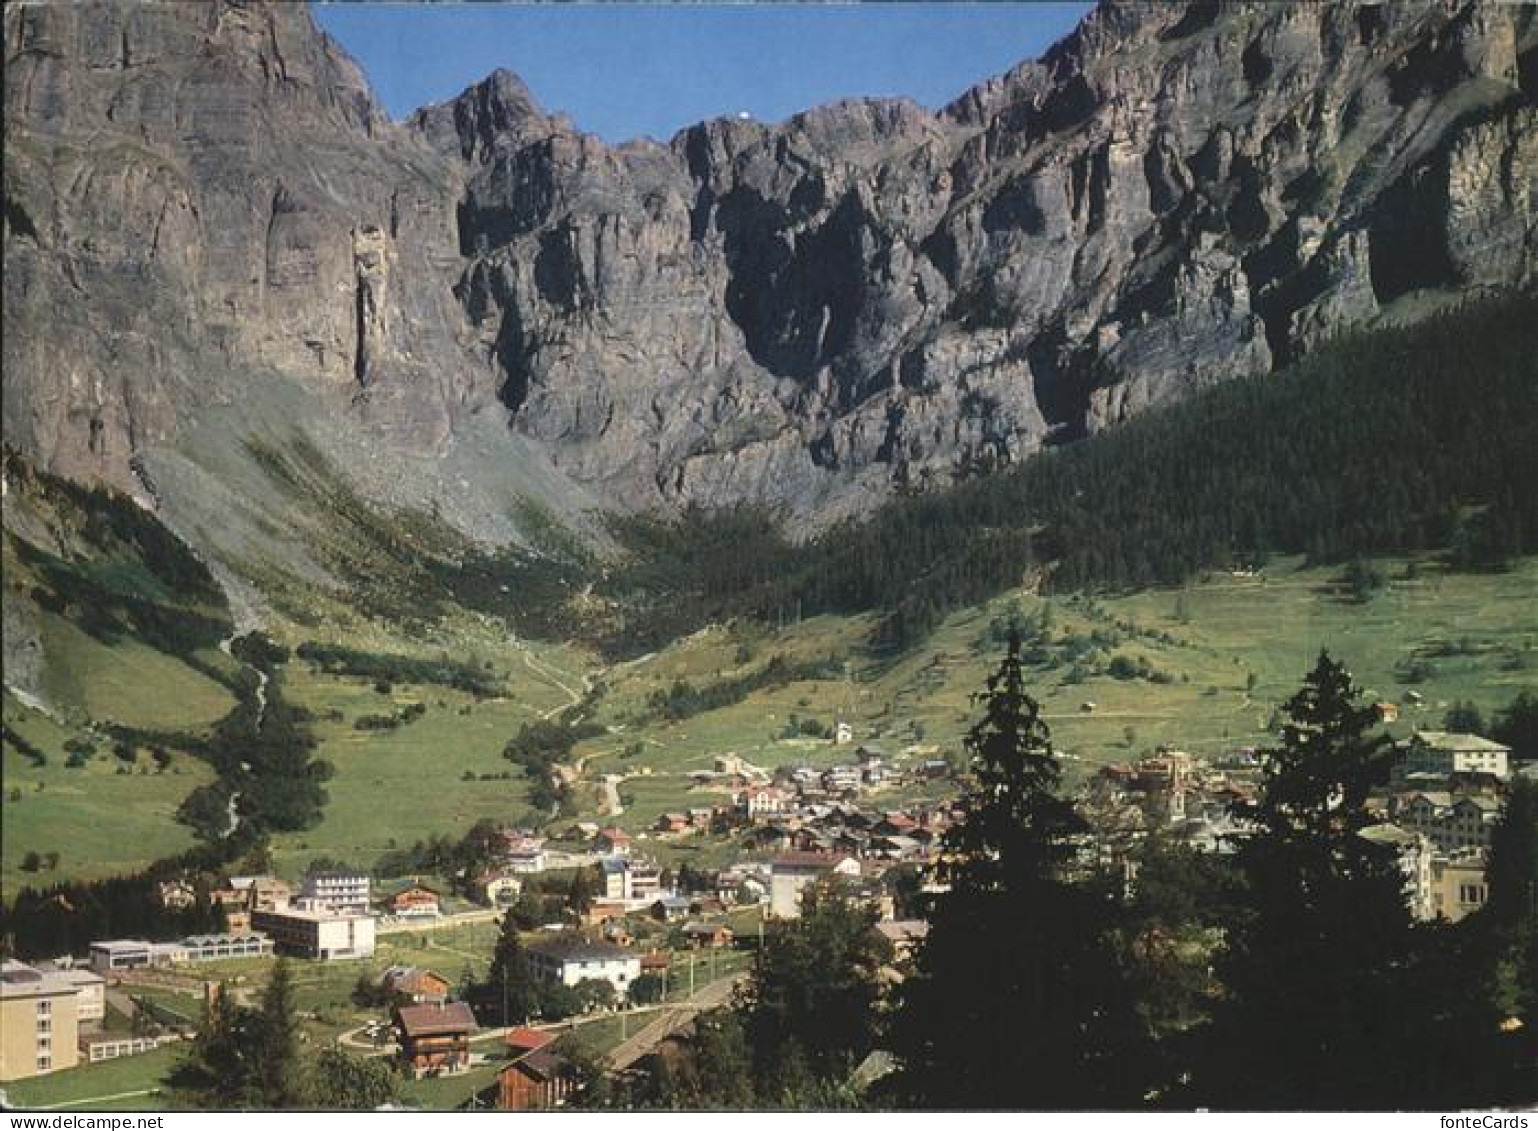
(794, 872)
(39, 1028)
(341, 892)
(1442, 754)
(317, 934)
(90, 993)
(113, 956)
(262, 893)
(1449, 823)
(1458, 885)
(569, 961)
(1414, 852)
(762, 801)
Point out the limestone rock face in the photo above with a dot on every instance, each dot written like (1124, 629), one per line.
(868, 296)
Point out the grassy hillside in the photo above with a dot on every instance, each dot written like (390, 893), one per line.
(107, 816)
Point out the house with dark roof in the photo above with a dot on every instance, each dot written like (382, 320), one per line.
(415, 985)
(434, 1038)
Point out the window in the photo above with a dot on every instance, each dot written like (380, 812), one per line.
(44, 1008)
(45, 1024)
(44, 1062)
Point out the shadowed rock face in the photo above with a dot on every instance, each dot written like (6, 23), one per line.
(867, 296)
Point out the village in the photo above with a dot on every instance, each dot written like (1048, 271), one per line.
(615, 935)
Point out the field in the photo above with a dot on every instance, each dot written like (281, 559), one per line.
(100, 822)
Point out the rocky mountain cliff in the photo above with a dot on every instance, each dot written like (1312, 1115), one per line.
(203, 200)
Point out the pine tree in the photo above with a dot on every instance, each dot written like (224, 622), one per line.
(1509, 919)
(579, 898)
(1317, 1005)
(1017, 1000)
(511, 984)
(218, 1072)
(275, 1044)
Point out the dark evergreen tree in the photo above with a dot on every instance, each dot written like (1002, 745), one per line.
(511, 989)
(219, 1071)
(1325, 1004)
(809, 1009)
(1017, 999)
(279, 1077)
(1509, 921)
(579, 898)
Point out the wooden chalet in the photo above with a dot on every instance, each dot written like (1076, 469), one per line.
(537, 1079)
(416, 985)
(435, 1038)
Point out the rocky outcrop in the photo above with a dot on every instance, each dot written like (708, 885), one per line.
(866, 297)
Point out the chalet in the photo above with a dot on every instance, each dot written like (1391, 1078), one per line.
(613, 841)
(759, 801)
(671, 908)
(843, 733)
(536, 1080)
(773, 836)
(708, 935)
(841, 779)
(175, 895)
(616, 932)
(499, 889)
(701, 818)
(904, 935)
(434, 1038)
(416, 902)
(415, 985)
(262, 893)
(656, 962)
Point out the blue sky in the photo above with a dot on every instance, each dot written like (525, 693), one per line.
(624, 70)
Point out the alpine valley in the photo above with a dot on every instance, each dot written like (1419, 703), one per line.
(374, 490)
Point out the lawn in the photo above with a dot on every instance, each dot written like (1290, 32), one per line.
(109, 1078)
